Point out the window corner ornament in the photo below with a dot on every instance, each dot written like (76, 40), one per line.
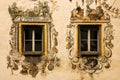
(33, 40)
(89, 40)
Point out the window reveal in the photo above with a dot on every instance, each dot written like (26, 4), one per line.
(89, 39)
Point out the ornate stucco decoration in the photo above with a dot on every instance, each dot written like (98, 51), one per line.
(89, 1)
(16, 61)
(40, 12)
(112, 8)
(91, 14)
(91, 64)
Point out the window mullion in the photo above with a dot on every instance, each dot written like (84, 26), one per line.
(33, 40)
(88, 39)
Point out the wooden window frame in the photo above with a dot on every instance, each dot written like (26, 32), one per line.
(101, 39)
(21, 36)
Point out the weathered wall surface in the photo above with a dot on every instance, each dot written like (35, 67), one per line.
(60, 19)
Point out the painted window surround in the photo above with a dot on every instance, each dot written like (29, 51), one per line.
(32, 64)
(90, 64)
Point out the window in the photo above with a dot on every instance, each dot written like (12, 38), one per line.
(32, 39)
(89, 40)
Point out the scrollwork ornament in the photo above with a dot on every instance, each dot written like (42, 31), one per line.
(54, 60)
(70, 39)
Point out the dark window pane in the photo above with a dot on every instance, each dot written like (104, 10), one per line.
(38, 45)
(38, 33)
(93, 45)
(84, 33)
(28, 45)
(93, 34)
(84, 46)
(28, 33)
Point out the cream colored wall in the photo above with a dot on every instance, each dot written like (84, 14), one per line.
(61, 19)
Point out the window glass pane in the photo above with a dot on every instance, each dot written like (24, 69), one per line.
(93, 45)
(84, 33)
(28, 45)
(38, 33)
(38, 45)
(28, 33)
(84, 38)
(93, 34)
(84, 46)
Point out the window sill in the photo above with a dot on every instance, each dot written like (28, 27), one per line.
(33, 53)
(89, 53)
